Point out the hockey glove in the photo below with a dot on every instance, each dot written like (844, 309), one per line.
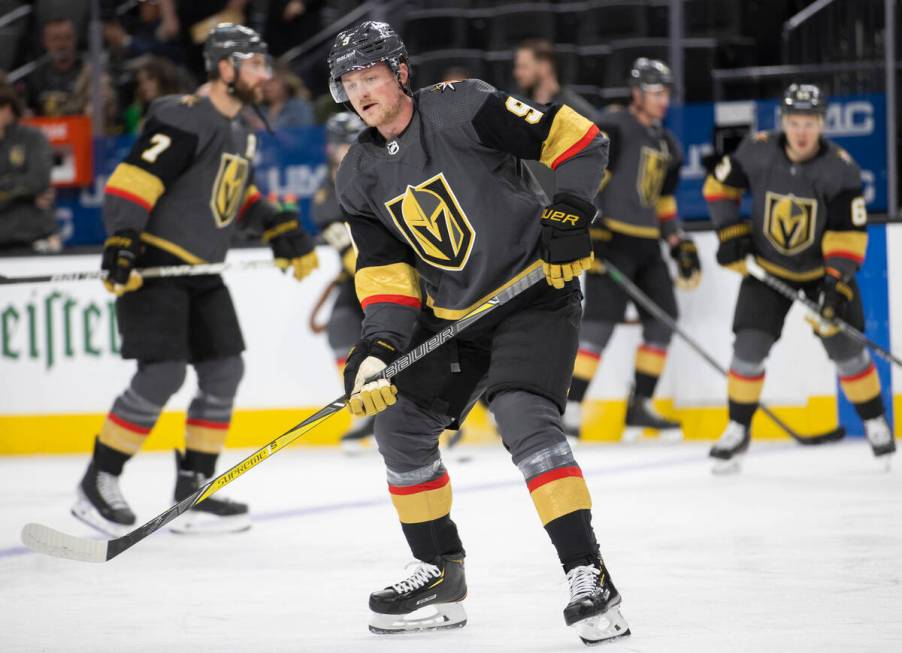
(735, 245)
(120, 251)
(566, 245)
(365, 361)
(689, 268)
(291, 246)
(835, 295)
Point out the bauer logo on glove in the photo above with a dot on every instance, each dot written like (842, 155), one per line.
(566, 245)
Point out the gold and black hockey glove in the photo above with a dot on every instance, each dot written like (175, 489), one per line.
(365, 361)
(735, 245)
(566, 245)
(689, 268)
(836, 293)
(291, 246)
(120, 252)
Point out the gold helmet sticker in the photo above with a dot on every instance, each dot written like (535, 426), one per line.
(790, 222)
(228, 189)
(652, 171)
(432, 221)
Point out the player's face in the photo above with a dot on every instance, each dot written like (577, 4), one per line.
(253, 73)
(656, 102)
(526, 70)
(374, 93)
(803, 133)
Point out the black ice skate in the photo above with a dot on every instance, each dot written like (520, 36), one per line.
(883, 444)
(100, 503)
(429, 599)
(214, 514)
(641, 414)
(728, 451)
(594, 608)
(353, 441)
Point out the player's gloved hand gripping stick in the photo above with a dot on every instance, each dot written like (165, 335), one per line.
(49, 541)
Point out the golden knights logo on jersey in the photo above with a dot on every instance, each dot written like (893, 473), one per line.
(433, 223)
(789, 222)
(228, 189)
(650, 177)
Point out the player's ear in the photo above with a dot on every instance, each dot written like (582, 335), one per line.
(226, 70)
(403, 74)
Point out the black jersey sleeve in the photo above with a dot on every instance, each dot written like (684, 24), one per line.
(724, 187)
(845, 239)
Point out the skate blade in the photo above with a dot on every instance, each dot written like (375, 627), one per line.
(727, 467)
(670, 436)
(602, 628)
(86, 513)
(632, 434)
(195, 522)
(441, 616)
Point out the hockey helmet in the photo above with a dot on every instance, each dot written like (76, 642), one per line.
(234, 42)
(803, 98)
(342, 128)
(650, 74)
(360, 47)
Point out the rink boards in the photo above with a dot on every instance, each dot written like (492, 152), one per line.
(60, 369)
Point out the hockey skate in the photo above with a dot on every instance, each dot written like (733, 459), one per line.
(728, 451)
(100, 503)
(353, 442)
(594, 607)
(883, 444)
(213, 515)
(641, 414)
(429, 599)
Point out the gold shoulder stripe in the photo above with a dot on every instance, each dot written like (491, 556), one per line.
(845, 244)
(567, 131)
(131, 182)
(666, 207)
(397, 283)
(713, 190)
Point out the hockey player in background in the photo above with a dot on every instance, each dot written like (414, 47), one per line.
(177, 198)
(809, 228)
(434, 191)
(343, 326)
(638, 210)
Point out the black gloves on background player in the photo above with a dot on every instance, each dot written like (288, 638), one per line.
(735, 245)
(367, 359)
(291, 246)
(566, 245)
(835, 294)
(120, 252)
(689, 268)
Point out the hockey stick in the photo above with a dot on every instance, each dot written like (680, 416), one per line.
(49, 541)
(795, 295)
(644, 300)
(149, 273)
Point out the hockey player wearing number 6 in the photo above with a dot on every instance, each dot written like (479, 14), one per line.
(435, 190)
(177, 198)
(809, 228)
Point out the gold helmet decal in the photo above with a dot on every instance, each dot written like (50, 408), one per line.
(790, 222)
(652, 171)
(228, 189)
(432, 221)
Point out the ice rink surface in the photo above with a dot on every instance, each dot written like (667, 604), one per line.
(801, 552)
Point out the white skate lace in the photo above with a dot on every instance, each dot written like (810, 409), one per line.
(732, 437)
(583, 581)
(108, 488)
(423, 573)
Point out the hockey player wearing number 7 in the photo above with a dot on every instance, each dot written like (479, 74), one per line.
(177, 198)
(808, 228)
(435, 190)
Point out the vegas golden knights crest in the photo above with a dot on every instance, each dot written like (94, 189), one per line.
(433, 223)
(650, 178)
(790, 222)
(228, 189)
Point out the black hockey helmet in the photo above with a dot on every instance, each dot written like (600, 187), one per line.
(342, 128)
(803, 98)
(234, 42)
(650, 74)
(360, 47)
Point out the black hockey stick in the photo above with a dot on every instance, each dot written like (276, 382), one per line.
(166, 271)
(660, 314)
(49, 541)
(789, 292)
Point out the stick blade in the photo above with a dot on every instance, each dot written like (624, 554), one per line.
(835, 435)
(57, 544)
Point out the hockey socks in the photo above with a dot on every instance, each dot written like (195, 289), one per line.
(650, 361)
(744, 390)
(128, 423)
(862, 389)
(584, 368)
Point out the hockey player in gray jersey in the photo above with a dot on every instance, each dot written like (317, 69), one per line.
(434, 191)
(809, 228)
(177, 198)
(638, 210)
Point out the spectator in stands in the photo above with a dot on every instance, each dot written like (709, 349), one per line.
(52, 83)
(287, 100)
(77, 12)
(150, 28)
(81, 101)
(155, 78)
(290, 23)
(26, 197)
(535, 71)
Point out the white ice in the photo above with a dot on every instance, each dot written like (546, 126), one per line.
(801, 552)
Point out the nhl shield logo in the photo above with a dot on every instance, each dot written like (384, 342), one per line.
(652, 171)
(228, 189)
(393, 147)
(432, 221)
(790, 222)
